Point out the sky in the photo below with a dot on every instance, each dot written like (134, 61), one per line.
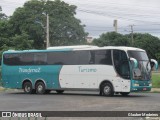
(98, 15)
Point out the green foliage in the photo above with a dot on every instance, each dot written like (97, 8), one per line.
(9, 40)
(2, 15)
(65, 29)
(144, 41)
(149, 43)
(156, 80)
(21, 42)
(158, 57)
(26, 28)
(17, 42)
(112, 39)
(4, 32)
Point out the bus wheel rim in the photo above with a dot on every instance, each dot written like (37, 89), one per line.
(40, 88)
(107, 89)
(27, 88)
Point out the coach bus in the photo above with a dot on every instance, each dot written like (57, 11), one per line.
(108, 70)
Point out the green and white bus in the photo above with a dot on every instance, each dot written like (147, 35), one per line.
(108, 69)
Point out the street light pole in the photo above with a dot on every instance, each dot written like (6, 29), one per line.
(46, 28)
(47, 32)
(115, 25)
(132, 34)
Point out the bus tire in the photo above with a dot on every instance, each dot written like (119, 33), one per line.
(107, 89)
(100, 93)
(40, 88)
(59, 91)
(27, 87)
(124, 93)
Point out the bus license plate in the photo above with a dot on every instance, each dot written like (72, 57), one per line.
(144, 88)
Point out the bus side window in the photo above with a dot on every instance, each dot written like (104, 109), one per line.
(26, 58)
(40, 58)
(83, 57)
(92, 58)
(11, 59)
(57, 58)
(103, 57)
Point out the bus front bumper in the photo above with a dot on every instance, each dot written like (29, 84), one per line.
(141, 85)
(140, 88)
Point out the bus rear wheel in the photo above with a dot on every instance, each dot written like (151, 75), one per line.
(28, 88)
(107, 89)
(59, 91)
(40, 88)
(124, 93)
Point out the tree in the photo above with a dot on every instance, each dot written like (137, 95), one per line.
(149, 43)
(65, 29)
(3, 27)
(2, 15)
(158, 56)
(4, 32)
(21, 42)
(9, 40)
(112, 39)
(144, 41)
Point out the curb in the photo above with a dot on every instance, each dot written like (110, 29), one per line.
(152, 90)
(2, 89)
(155, 90)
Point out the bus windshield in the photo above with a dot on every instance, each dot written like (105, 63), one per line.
(144, 67)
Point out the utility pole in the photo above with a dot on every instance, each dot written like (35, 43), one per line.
(115, 25)
(46, 28)
(47, 32)
(132, 34)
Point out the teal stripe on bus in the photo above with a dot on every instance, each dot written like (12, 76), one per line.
(13, 76)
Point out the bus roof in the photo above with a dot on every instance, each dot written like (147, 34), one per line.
(75, 48)
(115, 47)
(72, 47)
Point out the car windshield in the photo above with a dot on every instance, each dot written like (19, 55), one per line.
(143, 72)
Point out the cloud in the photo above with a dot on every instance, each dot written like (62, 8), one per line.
(98, 15)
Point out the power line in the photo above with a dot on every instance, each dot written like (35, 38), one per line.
(113, 16)
(117, 4)
(120, 9)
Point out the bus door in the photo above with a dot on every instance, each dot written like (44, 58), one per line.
(121, 65)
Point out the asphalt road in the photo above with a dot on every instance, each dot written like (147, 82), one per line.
(78, 101)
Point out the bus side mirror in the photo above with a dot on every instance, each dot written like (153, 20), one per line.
(135, 62)
(154, 64)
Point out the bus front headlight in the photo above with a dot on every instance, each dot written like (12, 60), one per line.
(135, 84)
(150, 84)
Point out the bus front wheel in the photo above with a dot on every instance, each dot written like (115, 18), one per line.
(28, 88)
(107, 89)
(40, 88)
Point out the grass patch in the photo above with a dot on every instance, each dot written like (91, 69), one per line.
(155, 91)
(156, 80)
(0, 77)
(2, 89)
